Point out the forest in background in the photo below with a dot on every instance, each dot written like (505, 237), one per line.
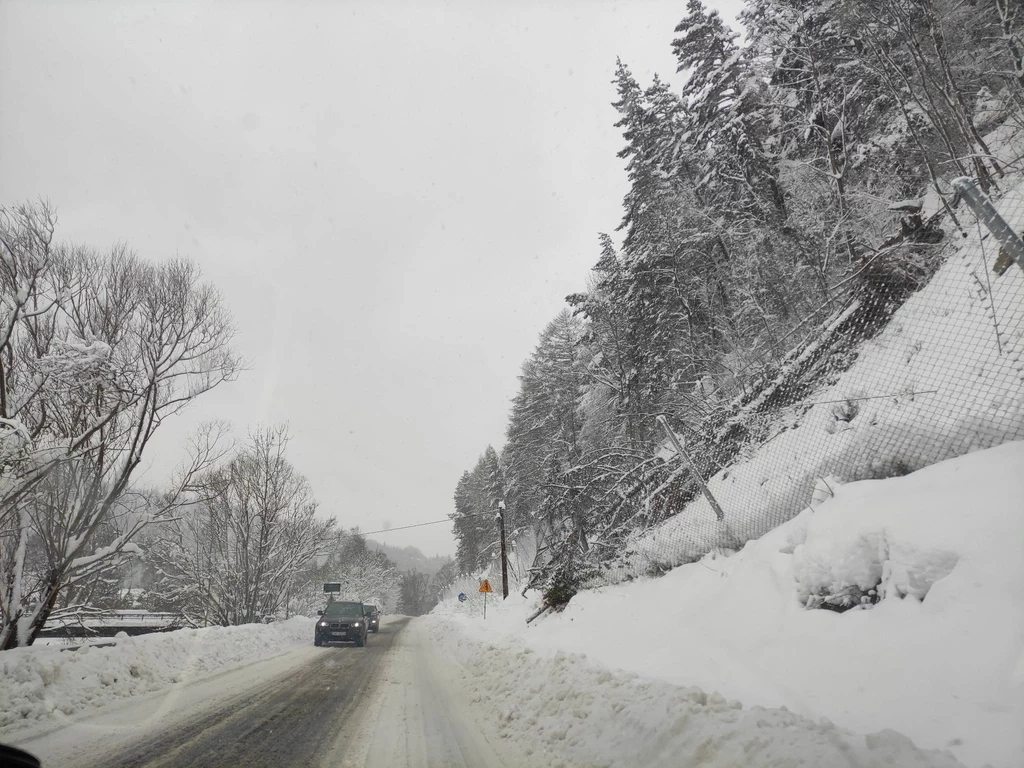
(775, 218)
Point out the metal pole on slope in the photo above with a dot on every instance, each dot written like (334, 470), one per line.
(696, 473)
(504, 553)
(1012, 247)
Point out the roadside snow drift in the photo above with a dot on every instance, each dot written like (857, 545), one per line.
(563, 711)
(939, 658)
(43, 682)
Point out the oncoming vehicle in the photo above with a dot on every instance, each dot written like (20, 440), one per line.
(341, 623)
(372, 617)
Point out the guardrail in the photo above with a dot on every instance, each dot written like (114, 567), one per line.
(110, 624)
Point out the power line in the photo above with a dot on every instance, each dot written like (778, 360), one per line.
(420, 525)
(402, 527)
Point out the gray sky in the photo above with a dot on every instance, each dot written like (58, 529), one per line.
(393, 197)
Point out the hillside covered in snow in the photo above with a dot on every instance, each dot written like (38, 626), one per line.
(836, 338)
(935, 651)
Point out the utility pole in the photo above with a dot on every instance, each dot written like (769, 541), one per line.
(504, 554)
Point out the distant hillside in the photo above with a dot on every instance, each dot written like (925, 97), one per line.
(409, 558)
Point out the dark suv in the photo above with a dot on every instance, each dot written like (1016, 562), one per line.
(372, 617)
(341, 623)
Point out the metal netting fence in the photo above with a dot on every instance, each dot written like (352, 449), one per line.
(905, 373)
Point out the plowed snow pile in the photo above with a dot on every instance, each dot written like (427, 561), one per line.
(562, 711)
(939, 658)
(42, 683)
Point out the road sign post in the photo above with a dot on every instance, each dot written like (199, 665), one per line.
(331, 589)
(485, 587)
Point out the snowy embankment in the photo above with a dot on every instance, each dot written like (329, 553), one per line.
(940, 658)
(945, 377)
(44, 683)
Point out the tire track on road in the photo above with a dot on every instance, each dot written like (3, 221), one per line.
(286, 721)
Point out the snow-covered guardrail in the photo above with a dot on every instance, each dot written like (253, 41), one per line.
(110, 624)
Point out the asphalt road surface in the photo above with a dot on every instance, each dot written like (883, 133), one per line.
(391, 704)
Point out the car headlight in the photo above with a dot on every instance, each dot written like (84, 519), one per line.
(324, 624)
(356, 624)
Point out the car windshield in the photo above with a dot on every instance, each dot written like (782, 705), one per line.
(652, 363)
(345, 610)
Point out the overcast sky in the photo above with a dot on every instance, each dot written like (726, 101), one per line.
(394, 198)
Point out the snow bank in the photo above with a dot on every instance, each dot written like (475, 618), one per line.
(561, 710)
(940, 658)
(41, 683)
(944, 378)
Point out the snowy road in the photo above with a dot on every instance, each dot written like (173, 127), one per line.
(289, 720)
(419, 715)
(388, 704)
(424, 693)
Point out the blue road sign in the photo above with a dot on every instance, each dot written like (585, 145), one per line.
(462, 597)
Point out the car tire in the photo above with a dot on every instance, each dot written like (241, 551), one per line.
(360, 642)
(317, 642)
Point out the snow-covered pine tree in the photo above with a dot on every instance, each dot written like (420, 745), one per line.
(465, 525)
(545, 418)
(726, 121)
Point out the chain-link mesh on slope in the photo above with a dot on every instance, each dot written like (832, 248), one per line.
(922, 360)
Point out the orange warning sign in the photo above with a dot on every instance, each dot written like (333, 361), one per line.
(486, 587)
